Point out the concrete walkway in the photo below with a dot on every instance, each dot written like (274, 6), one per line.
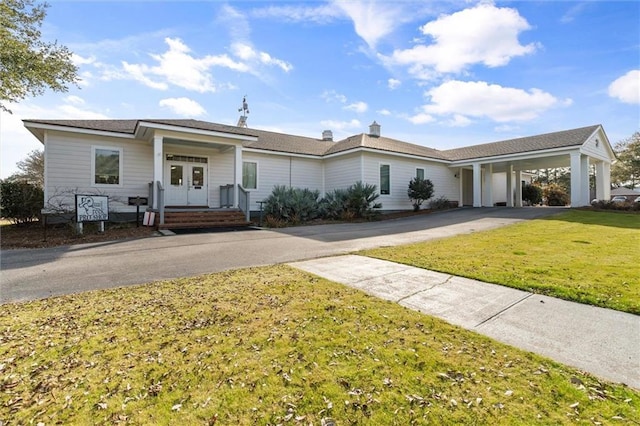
(600, 341)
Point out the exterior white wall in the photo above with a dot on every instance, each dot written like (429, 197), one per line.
(402, 170)
(68, 169)
(289, 171)
(499, 185)
(342, 172)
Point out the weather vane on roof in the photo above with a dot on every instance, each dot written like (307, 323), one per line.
(242, 121)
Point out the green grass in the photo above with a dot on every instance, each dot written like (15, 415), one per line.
(583, 256)
(274, 345)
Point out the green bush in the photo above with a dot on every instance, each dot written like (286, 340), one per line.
(356, 202)
(20, 202)
(532, 194)
(440, 203)
(419, 191)
(555, 195)
(292, 205)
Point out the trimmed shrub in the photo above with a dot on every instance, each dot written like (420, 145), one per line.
(20, 202)
(419, 191)
(555, 195)
(532, 194)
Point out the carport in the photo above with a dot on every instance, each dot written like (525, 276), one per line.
(577, 149)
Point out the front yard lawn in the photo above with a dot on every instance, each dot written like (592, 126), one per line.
(274, 346)
(584, 256)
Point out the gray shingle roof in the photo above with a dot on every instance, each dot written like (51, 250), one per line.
(280, 142)
(546, 141)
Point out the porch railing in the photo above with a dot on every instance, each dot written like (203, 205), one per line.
(226, 196)
(160, 200)
(244, 201)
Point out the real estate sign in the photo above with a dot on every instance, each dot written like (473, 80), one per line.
(92, 208)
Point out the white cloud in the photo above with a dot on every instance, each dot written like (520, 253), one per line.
(333, 96)
(183, 106)
(505, 128)
(246, 52)
(393, 83)
(73, 99)
(341, 125)
(483, 34)
(458, 121)
(480, 99)
(319, 14)
(384, 112)
(626, 88)
(358, 107)
(421, 118)
(179, 67)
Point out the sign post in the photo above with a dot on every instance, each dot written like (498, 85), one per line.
(91, 208)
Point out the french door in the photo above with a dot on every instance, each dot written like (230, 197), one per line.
(186, 182)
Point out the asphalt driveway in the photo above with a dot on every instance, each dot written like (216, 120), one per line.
(39, 273)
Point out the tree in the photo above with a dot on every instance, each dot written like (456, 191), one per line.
(626, 170)
(419, 191)
(20, 202)
(31, 169)
(29, 65)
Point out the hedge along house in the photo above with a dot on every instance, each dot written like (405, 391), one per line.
(197, 164)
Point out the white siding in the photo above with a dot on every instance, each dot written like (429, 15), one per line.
(69, 169)
(402, 171)
(342, 172)
(289, 171)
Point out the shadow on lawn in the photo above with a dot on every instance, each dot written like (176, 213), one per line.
(612, 218)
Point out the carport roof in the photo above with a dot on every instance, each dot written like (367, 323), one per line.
(285, 143)
(562, 139)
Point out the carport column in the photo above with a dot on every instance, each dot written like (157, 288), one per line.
(579, 179)
(603, 180)
(477, 185)
(238, 174)
(460, 187)
(518, 188)
(509, 176)
(157, 169)
(488, 185)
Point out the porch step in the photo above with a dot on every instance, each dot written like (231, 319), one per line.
(204, 219)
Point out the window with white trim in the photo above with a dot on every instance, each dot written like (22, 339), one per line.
(385, 179)
(249, 175)
(106, 165)
(420, 173)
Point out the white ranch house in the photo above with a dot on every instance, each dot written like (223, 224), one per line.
(191, 163)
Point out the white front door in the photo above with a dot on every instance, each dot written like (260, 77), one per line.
(186, 183)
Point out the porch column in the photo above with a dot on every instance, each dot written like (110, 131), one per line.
(157, 168)
(238, 174)
(509, 185)
(603, 180)
(488, 185)
(477, 185)
(518, 188)
(579, 180)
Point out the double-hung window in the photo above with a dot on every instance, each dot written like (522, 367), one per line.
(249, 175)
(420, 173)
(106, 165)
(385, 179)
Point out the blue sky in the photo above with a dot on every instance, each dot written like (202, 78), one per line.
(441, 74)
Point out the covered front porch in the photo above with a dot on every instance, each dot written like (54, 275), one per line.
(197, 171)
